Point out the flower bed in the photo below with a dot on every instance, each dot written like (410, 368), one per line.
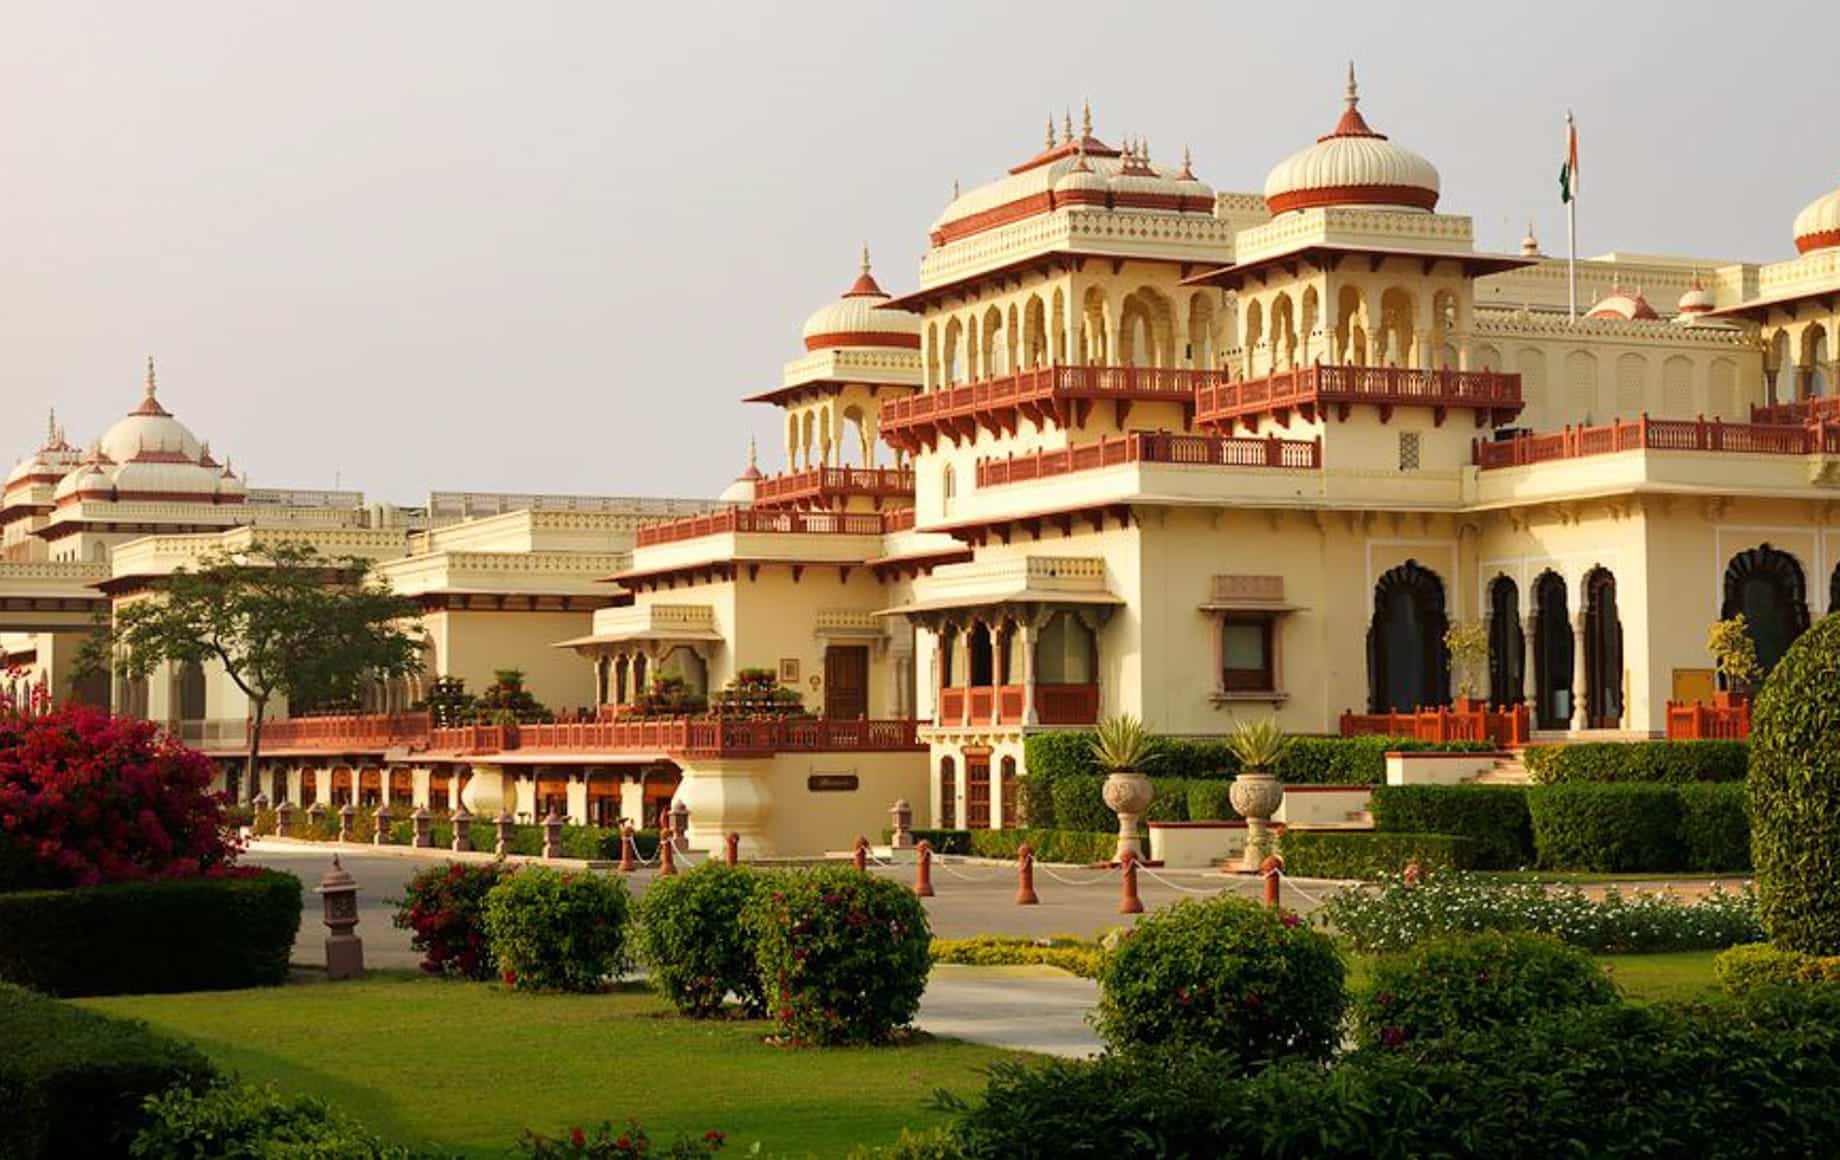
(990, 950)
(1394, 917)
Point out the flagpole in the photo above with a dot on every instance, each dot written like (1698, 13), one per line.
(1571, 224)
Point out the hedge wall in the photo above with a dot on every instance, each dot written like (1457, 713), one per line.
(72, 1081)
(1364, 854)
(1715, 826)
(198, 934)
(1794, 791)
(1646, 761)
(1612, 828)
(1074, 846)
(1494, 817)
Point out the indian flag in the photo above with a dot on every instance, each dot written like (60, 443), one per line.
(1568, 172)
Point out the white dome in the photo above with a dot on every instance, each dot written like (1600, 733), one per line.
(1628, 307)
(92, 476)
(1696, 300)
(859, 319)
(143, 479)
(1818, 225)
(54, 457)
(1138, 185)
(149, 428)
(1353, 166)
(1082, 185)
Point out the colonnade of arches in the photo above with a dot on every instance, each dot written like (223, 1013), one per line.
(1399, 325)
(1799, 363)
(830, 436)
(978, 812)
(1001, 650)
(621, 678)
(1140, 327)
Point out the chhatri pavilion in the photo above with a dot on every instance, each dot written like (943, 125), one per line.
(1129, 444)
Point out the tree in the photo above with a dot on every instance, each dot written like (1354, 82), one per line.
(1468, 645)
(281, 619)
(1735, 653)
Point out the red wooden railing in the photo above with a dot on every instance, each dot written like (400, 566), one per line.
(760, 520)
(1658, 435)
(1387, 386)
(898, 520)
(816, 482)
(1007, 704)
(1825, 410)
(1153, 447)
(1699, 721)
(349, 731)
(1501, 727)
(1041, 384)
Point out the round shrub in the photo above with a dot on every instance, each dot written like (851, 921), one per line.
(1226, 975)
(1467, 981)
(1746, 968)
(195, 934)
(553, 931)
(691, 939)
(844, 955)
(242, 1119)
(1794, 788)
(86, 798)
(445, 907)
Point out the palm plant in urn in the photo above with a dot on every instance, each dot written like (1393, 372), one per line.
(1256, 793)
(1122, 747)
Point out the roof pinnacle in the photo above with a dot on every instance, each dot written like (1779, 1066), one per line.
(1353, 93)
(1066, 126)
(865, 258)
(1188, 165)
(1050, 131)
(51, 432)
(1085, 118)
(150, 379)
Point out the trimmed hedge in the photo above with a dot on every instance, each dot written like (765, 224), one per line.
(1079, 803)
(197, 934)
(992, 950)
(1652, 761)
(1611, 828)
(1462, 982)
(1209, 801)
(1078, 846)
(72, 1081)
(1715, 826)
(1794, 791)
(1746, 968)
(1368, 855)
(1494, 817)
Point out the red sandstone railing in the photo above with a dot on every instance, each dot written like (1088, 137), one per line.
(1044, 384)
(761, 521)
(898, 520)
(353, 731)
(1647, 434)
(824, 482)
(1500, 727)
(1384, 386)
(1803, 411)
(1008, 704)
(1699, 721)
(1153, 447)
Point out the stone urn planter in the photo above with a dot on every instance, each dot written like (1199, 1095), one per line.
(1128, 794)
(1256, 794)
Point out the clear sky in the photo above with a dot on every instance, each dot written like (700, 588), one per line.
(548, 246)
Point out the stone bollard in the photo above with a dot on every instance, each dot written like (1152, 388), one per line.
(384, 819)
(338, 895)
(1128, 901)
(259, 805)
(1025, 876)
(346, 814)
(731, 848)
(501, 844)
(627, 852)
(923, 870)
(680, 826)
(463, 831)
(1273, 870)
(552, 834)
(424, 828)
(316, 817)
(860, 856)
(901, 817)
(284, 819)
(667, 856)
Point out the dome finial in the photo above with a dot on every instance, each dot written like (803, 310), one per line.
(865, 258)
(1050, 143)
(1188, 165)
(150, 381)
(1085, 118)
(51, 429)
(753, 454)
(1066, 126)
(955, 189)
(1530, 245)
(1353, 94)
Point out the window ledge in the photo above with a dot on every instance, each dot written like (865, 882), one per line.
(1273, 697)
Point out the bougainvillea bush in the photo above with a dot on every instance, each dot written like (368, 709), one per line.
(88, 799)
(445, 907)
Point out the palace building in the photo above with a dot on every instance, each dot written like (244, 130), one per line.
(1130, 444)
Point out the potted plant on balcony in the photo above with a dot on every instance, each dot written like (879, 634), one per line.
(1735, 654)
(1122, 747)
(757, 695)
(1257, 793)
(1468, 644)
(669, 696)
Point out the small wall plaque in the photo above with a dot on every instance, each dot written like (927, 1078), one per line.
(831, 783)
(788, 670)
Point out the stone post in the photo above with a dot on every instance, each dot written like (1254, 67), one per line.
(339, 899)
(383, 825)
(680, 826)
(463, 830)
(1581, 691)
(502, 826)
(1128, 901)
(731, 848)
(923, 870)
(552, 834)
(346, 813)
(424, 828)
(859, 854)
(901, 817)
(284, 819)
(627, 859)
(316, 815)
(1273, 870)
(1025, 876)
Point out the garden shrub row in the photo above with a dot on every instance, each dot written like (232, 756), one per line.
(72, 1082)
(1651, 761)
(1369, 855)
(1493, 817)
(991, 950)
(1082, 847)
(1051, 757)
(186, 934)
(1752, 1078)
(1746, 968)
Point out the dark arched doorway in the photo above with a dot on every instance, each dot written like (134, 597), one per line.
(1833, 593)
(1552, 653)
(1767, 586)
(1507, 647)
(1603, 652)
(1407, 665)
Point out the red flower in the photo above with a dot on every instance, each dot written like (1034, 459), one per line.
(1289, 919)
(510, 978)
(715, 1137)
(578, 1137)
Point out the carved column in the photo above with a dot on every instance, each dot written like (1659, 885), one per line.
(1030, 632)
(1580, 675)
(1530, 685)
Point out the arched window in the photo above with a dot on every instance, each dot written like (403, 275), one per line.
(622, 689)
(1768, 587)
(948, 644)
(1552, 657)
(1603, 652)
(1408, 667)
(639, 682)
(1507, 646)
(1010, 790)
(948, 794)
(981, 655)
(682, 662)
(191, 691)
(1065, 653)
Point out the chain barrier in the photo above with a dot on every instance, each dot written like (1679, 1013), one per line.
(1286, 883)
(1049, 871)
(1153, 875)
(942, 864)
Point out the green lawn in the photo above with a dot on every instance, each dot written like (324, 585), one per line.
(470, 1065)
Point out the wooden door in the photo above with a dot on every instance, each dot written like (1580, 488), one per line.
(846, 682)
(977, 793)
